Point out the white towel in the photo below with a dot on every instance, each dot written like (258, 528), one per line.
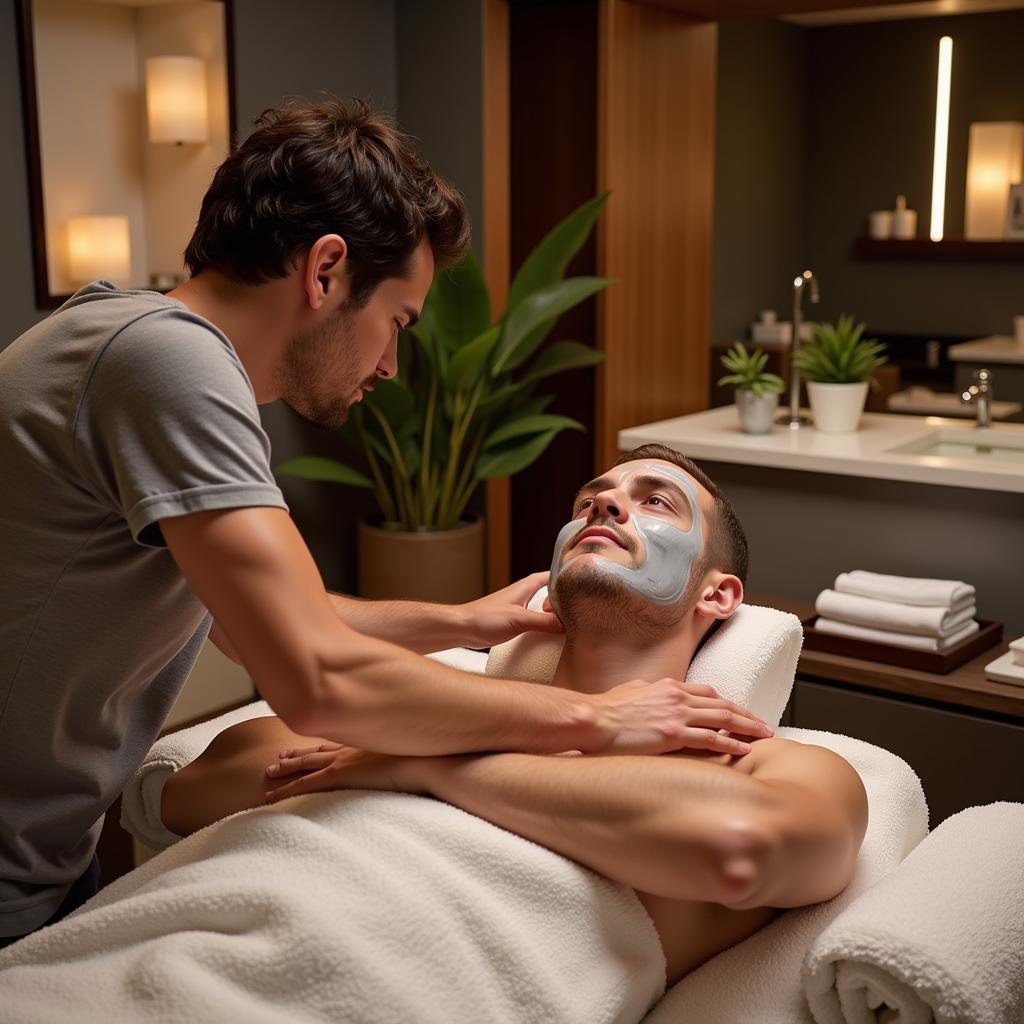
(882, 636)
(367, 908)
(900, 618)
(757, 981)
(1017, 650)
(751, 660)
(952, 594)
(941, 938)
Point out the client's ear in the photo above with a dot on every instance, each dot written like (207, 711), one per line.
(720, 595)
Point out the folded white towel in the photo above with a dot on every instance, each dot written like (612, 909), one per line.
(906, 589)
(882, 636)
(1017, 650)
(751, 659)
(900, 618)
(929, 950)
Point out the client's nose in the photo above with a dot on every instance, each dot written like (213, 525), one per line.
(608, 505)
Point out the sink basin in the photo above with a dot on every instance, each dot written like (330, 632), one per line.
(967, 443)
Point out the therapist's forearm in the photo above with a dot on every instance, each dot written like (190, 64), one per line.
(415, 625)
(670, 826)
(371, 694)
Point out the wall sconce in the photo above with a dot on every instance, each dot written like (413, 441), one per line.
(995, 159)
(176, 99)
(98, 247)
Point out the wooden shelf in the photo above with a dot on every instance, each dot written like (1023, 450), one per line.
(966, 687)
(964, 249)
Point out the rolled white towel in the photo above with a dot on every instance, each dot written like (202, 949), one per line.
(900, 618)
(882, 636)
(929, 950)
(952, 594)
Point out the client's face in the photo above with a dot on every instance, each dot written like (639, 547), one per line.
(631, 549)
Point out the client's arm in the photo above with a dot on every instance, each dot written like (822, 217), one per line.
(785, 835)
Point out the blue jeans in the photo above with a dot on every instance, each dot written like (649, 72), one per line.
(81, 890)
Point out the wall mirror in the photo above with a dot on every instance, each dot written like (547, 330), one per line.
(128, 109)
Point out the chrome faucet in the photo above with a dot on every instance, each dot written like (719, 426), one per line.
(793, 419)
(979, 394)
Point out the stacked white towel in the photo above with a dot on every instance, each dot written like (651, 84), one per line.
(923, 614)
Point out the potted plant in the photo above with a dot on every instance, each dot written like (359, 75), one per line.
(837, 364)
(462, 409)
(756, 392)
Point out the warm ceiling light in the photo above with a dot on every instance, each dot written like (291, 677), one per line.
(941, 136)
(98, 247)
(176, 99)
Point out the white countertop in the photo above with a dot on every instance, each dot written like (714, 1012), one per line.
(997, 348)
(716, 435)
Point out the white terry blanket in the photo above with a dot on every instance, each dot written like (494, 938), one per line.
(367, 908)
(758, 980)
(941, 938)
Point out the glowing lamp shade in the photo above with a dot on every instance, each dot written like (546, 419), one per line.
(176, 106)
(98, 247)
(995, 158)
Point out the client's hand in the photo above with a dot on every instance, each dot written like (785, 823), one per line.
(335, 766)
(655, 718)
(502, 615)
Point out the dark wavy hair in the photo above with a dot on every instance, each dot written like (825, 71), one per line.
(313, 169)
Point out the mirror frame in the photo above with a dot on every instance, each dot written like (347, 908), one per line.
(45, 299)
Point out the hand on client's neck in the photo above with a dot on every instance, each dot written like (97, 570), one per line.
(594, 662)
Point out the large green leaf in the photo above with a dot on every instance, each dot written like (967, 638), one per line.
(504, 461)
(524, 325)
(461, 304)
(547, 263)
(531, 424)
(394, 401)
(562, 355)
(468, 363)
(313, 467)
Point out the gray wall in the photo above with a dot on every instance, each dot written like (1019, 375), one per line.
(846, 115)
(760, 173)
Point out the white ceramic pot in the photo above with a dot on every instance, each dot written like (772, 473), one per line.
(756, 411)
(837, 407)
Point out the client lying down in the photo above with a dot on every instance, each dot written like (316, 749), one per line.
(715, 845)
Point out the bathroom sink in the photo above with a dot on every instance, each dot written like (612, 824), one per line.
(967, 443)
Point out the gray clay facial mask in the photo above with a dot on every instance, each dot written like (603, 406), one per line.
(669, 553)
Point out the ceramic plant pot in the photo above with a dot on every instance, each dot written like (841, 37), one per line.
(756, 411)
(837, 407)
(445, 566)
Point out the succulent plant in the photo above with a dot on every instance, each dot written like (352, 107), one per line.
(837, 354)
(748, 371)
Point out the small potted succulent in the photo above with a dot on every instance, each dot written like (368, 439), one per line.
(757, 392)
(837, 364)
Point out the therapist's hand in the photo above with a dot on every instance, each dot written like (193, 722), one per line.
(503, 615)
(335, 766)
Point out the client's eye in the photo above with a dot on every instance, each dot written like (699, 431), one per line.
(659, 499)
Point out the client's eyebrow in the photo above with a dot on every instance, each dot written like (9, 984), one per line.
(647, 481)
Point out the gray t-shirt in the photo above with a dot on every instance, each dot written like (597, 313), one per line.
(118, 410)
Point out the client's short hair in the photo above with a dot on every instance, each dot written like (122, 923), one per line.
(725, 547)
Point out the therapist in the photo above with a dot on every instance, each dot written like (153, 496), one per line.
(137, 503)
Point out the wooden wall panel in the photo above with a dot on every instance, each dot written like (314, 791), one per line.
(496, 244)
(656, 152)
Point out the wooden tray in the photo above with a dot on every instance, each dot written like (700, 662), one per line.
(940, 662)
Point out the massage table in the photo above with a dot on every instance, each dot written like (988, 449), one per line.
(380, 907)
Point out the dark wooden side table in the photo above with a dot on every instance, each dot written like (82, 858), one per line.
(962, 733)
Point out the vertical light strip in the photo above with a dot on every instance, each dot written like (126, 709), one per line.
(941, 136)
